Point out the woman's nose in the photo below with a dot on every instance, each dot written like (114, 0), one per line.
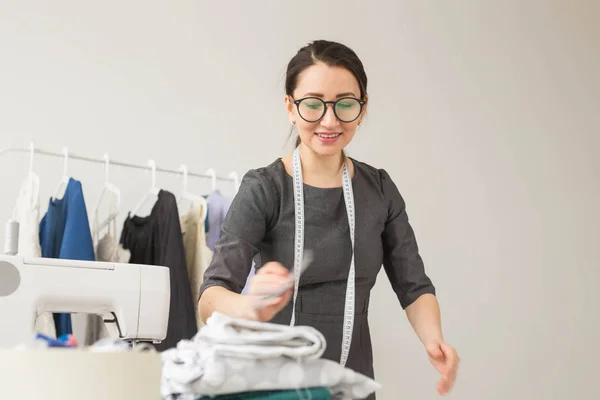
(329, 120)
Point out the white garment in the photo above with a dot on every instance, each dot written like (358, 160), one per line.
(106, 249)
(231, 355)
(197, 253)
(242, 338)
(27, 213)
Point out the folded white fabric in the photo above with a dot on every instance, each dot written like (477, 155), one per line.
(231, 355)
(242, 338)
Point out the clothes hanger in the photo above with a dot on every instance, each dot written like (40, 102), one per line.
(236, 180)
(185, 195)
(153, 192)
(107, 190)
(34, 180)
(213, 177)
(64, 181)
(31, 152)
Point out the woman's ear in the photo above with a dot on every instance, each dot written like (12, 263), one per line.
(289, 106)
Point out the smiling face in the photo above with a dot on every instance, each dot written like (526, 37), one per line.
(328, 135)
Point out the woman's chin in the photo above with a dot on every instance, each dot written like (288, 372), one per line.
(327, 149)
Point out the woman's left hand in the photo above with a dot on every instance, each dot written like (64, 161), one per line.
(445, 359)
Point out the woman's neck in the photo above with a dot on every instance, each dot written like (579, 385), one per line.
(321, 171)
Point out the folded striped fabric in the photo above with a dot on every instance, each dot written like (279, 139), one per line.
(300, 394)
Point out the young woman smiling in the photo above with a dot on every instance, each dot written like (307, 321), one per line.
(349, 214)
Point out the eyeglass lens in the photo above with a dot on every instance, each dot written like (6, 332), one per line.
(313, 109)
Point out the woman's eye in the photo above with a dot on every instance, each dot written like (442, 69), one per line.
(313, 106)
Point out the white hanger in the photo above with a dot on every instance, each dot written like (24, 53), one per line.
(31, 151)
(184, 192)
(213, 177)
(153, 192)
(236, 180)
(33, 179)
(64, 181)
(185, 195)
(108, 189)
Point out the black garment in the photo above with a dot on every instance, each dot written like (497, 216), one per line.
(260, 224)
(156, 240)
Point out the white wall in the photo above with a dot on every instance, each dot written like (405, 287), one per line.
(485, 114)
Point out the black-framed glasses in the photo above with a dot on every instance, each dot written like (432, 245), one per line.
(346, 109)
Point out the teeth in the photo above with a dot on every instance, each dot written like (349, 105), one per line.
(328, 136)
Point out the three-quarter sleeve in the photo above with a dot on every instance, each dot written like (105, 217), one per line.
(401, 260)
(242, 231)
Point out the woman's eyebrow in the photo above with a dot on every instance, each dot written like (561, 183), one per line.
(314, 94)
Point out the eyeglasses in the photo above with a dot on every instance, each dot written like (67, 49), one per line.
(346, 109)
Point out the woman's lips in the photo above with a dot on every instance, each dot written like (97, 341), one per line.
(328, 137)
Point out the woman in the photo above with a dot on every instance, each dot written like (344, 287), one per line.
(348, 214)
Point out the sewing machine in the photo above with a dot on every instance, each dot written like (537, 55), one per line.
(132, 299)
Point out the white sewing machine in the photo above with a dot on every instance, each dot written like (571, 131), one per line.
(132, 299)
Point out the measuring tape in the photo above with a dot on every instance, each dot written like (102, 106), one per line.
(299, 248)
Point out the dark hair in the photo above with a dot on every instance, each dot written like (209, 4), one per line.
(332, 54)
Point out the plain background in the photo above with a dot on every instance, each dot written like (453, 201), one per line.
(485, 113)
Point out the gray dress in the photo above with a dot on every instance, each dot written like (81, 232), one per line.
(260, 226)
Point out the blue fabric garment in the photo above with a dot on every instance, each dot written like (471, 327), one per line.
(65, 233)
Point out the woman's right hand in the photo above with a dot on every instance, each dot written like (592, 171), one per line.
(268, 279)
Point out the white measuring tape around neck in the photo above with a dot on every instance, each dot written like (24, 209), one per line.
(299, 248)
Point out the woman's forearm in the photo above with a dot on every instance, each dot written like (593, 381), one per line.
(424, 316)
(217, 298)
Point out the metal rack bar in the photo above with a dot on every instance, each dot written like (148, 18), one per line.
(112, 162)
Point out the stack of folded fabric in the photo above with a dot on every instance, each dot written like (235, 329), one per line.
(236, 358)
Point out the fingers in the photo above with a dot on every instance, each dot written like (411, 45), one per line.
(265, 309)
(446, 383)
(281, 299)
(269, 284)
(443, 357)
(270, 281)
(452, 360)
(434, 351)
(444, 386)
(450, 354)
(274, 268)
(437, 358)
(447, 366)
(287, 296)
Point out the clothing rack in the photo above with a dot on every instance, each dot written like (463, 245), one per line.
(65, 154)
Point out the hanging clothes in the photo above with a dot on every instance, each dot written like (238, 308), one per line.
(65, 233)
(110, 250)
(156, 240)
(197, 253)
(26, 213)
(217, 211)
(218, 206)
